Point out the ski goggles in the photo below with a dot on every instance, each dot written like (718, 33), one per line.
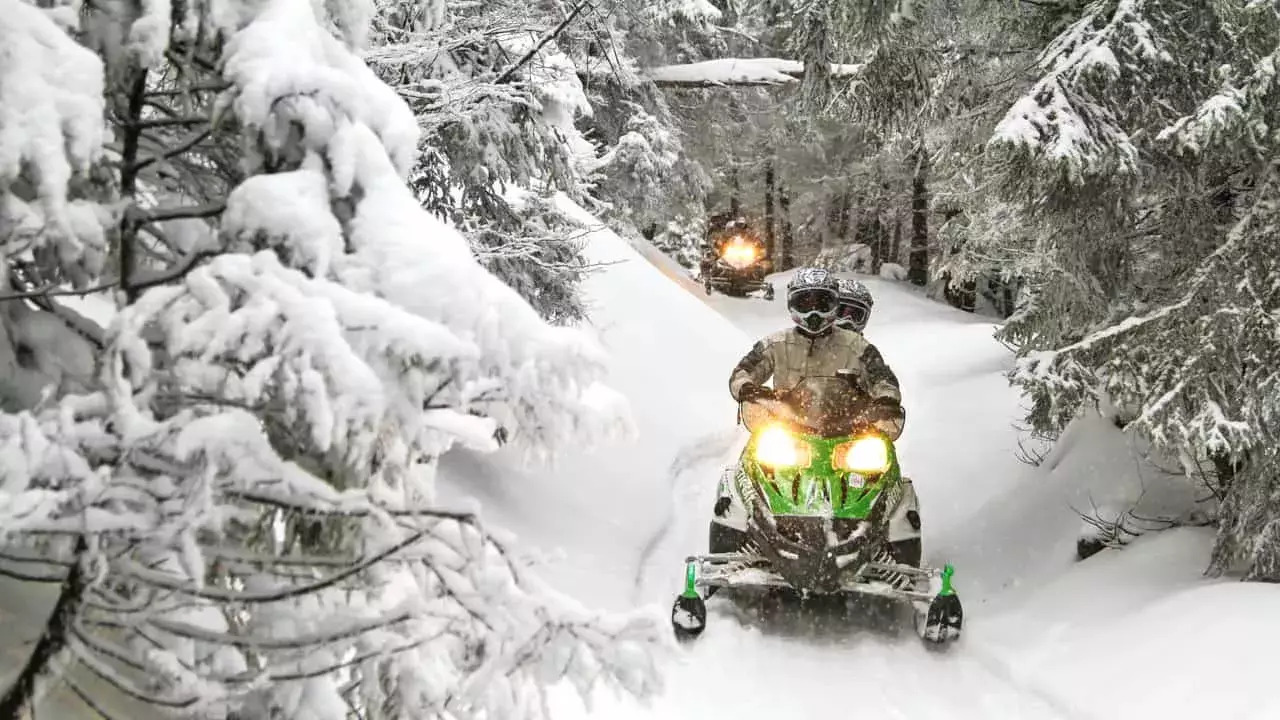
(807, 301)
(856, 313)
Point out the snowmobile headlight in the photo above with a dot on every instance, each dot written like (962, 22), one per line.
(738, 254)
(777, 448)
(868, 455)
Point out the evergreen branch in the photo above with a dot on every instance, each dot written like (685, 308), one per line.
(195, 139)
(179, 212)
(95, 666)
(138, 285)
(161, 580)
(163, 122)
(297, 642)
(546, 38)
(88, 700)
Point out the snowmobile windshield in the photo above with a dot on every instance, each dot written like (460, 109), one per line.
(824, 406)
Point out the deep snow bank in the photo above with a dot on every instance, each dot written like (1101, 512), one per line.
(1028, 535)
(671, 356)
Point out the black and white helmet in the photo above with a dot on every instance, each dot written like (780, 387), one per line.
(855, 305)
(812, 299)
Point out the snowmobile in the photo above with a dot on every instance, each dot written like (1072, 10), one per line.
(816, 504)
(735, 262)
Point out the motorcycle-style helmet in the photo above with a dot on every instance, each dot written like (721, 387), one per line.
(855, 305)
(812, 299)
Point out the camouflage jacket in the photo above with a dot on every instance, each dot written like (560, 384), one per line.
(788, 356)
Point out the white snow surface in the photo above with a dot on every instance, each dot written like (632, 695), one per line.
(1135, 633)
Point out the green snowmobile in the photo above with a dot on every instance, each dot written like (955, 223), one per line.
(817, 504)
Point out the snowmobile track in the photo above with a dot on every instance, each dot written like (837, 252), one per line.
(707, 451)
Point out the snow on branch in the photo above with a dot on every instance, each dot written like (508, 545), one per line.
(544, 381)
(731, 72)
(1064, 118)
(51, 132)
(1237, 109)
(169, 623)
(1183, 396)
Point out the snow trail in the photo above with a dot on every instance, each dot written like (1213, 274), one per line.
(897, 676)
(786, 669)
(688, 487)
(1046, 638)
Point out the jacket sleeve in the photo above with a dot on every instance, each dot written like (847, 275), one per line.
(885, 410)
(755, 367)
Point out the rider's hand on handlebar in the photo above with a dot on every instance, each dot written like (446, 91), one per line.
(751, 391)
(881, 410)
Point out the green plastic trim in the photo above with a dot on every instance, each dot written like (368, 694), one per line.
(690, 581)
(947, 571)
(818, 481)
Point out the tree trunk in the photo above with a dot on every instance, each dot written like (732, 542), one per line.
(895, 248)
(843, 217)
(770, 184)
(19, 699)
(129, 224)
(918, 260)
(833, 219)
(963, 295)
(877, 237)
(879, 230)
(1009, 298)
(735, 192)
(788, 241)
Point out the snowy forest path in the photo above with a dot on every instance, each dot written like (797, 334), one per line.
(895, 676)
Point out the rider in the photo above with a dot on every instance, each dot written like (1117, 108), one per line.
(817, 347)
(855, 305)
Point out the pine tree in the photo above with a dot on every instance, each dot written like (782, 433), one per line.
(237, 497)
(1137, 192)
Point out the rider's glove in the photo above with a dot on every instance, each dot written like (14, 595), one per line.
(881, 410)
(752, 391)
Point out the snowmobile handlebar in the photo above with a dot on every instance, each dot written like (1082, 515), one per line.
(821, 405)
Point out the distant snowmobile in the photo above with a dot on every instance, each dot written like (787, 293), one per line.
(734, 261)
(816, 505)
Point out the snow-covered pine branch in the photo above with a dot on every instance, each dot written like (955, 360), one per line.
(1069, 120)
(497, 100)
(1159, 293)
(246, 483)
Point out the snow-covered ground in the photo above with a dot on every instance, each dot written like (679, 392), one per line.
(1136, 633)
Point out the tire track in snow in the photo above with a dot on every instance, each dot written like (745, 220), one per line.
(884, 676)
(696, 455)
(1005, 671)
